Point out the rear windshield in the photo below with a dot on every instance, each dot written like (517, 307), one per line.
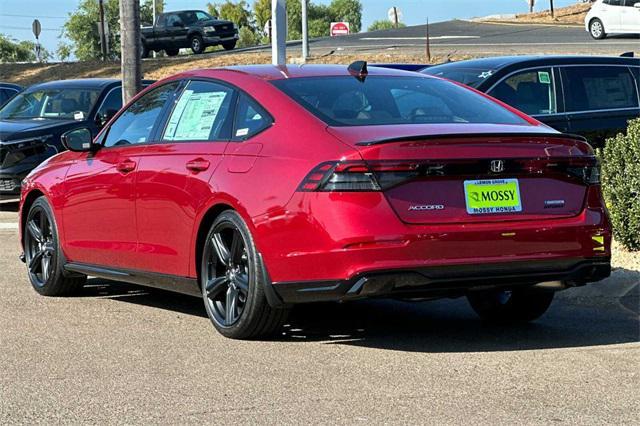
(382, 100)
(470, 76)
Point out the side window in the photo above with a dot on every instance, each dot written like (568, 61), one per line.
(172, 19)
(137, 122)
(599, 87)
(250, 118)
(201, 113)
(532, 92)
(112, 103)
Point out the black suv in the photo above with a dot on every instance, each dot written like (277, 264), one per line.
(188, 28)
(587, 95)
(31, 123)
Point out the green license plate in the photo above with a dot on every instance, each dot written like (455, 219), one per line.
(492, 196)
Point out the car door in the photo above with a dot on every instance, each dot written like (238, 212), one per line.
(534, 91)
(612, 15)
(99, 204)
(630, 17)
(599, 100)
(174, 174)
(173, 30)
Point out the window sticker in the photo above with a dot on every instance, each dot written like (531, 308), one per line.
(543, 77)
(194, 115)
(78, 116)
(242, 132)
(485, 74)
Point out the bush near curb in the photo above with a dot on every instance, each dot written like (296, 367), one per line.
(621, 184)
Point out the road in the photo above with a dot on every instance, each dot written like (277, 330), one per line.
(471, 38)
(118, 353)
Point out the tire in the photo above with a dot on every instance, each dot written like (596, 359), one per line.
(510, 306)
(596, 29)
(197, 45)
(172, 52)
(232, 282)
(145, 52)
(43, 255)
(229, 45)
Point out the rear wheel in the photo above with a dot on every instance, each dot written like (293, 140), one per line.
(172, 52)
(596, 29)
(510, 306)
(43, 255)
(197, 45)
(233, 283)
(145, 52)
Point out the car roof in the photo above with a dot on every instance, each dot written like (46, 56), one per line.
(281, 72)
(498, 62)
(82, 83)
(10, 85)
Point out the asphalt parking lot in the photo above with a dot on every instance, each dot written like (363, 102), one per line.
(118, 353)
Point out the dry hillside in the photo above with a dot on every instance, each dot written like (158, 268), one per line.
(566, 15)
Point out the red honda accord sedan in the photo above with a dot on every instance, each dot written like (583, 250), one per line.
(261, 187)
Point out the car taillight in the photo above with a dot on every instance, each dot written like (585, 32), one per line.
(358, 176)
(589, 174)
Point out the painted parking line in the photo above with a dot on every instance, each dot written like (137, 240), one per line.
(452, 37)
(8, 226)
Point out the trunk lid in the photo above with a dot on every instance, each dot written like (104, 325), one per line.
(475, 173)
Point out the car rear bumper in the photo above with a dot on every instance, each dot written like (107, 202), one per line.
(446, 281)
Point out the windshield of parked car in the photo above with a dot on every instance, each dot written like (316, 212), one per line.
(470, 76)
(382, 100)
(67, 103)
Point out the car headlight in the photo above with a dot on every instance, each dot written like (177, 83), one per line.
(210, 29)
(235, 27)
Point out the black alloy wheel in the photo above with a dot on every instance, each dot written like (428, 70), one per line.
(232, 280)
(197, 45)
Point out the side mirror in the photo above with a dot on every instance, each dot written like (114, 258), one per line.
(78, 140)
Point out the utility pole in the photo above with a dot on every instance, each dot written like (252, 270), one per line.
(305, 31)
(278, 32)
(103, 35)
(395, 17)
(154, 21)
(130, 47)
(552, 11)
(428, 43)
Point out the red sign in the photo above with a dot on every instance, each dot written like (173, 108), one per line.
(339, 29)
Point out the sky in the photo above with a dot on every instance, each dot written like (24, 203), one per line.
(16, 16)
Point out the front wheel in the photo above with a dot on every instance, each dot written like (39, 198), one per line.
(43, 255)
(596, 29)
(229, 45)
(197, 45)
(510, 306)
(233, 282)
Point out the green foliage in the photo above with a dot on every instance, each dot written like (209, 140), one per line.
(236, 12)
(247, 38)
(384, 25)
(12, 50)
(82, 29)
(621, 184)
(63, 51)
(261, 13)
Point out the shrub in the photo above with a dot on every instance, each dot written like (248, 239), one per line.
(384, 25)
(621, 184)
(247, 38)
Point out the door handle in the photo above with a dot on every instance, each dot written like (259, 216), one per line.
(126, 166)
(198, 165)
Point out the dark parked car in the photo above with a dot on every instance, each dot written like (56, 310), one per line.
(31, 123)
(8, 91)
(586, 95)
(188, 28)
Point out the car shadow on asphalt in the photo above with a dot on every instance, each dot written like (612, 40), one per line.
(447, 325)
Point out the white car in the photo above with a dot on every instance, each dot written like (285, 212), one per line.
(613, 16)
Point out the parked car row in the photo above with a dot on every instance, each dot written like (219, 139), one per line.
(260, 187)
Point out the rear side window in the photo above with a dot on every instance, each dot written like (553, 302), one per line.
(250, 119)
(384, 100)
(136, 124)
(202, 113)
(599, 88)
(532, 92)
(113, 102)
(6, 94)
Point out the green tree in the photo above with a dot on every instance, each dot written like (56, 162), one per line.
(12, 50)
(349, 11)
(383, 25)
(82, 27)
(238, 13)
(261, 12)
(319, 20)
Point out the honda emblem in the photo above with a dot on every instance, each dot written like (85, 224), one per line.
(497, 166)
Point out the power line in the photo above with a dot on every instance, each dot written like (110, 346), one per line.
(29, 28)
(31, 16)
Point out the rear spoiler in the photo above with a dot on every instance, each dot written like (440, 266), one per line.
(471, 135)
